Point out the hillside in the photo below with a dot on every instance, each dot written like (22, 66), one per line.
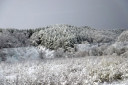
(63, 55)
(56, 36)
(64, 40)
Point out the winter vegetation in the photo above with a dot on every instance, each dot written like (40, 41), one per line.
(63, 55)
(65, 36)
(91, 70)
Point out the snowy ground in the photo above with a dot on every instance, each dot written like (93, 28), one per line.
(101, 70)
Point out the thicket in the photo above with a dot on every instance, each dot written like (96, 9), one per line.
(66, 36)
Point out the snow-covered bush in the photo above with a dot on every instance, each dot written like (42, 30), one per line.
(7, 41)
(20, 54)
(26, 53)
(91, 49)
(59, 53)
(125, 54)
(22, 36)
(14, 38)
(2, 56)
(110, 50)
(117, 48)
(45, 53)
(81, 54)
(120, 46)
(82, 47)
(123, 37)
(95, 52)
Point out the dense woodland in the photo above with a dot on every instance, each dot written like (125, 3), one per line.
(66, 38)
(56, 36)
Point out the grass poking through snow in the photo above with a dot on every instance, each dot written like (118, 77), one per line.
(65, 71)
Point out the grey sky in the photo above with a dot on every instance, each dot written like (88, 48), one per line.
(40, 13)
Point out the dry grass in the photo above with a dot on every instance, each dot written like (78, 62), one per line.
(68, 71)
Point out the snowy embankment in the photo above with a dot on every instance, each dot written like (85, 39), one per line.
(92, 70)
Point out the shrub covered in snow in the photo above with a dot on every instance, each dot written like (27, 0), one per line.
(120, 47)
(45, 53)
(125, 54)
(19, 54)
(91, 49)
(13, 38)
(25, 53)
(123, 37)
(117, 48)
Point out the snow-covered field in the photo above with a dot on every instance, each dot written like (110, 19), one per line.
(63, 55)
(90, 70)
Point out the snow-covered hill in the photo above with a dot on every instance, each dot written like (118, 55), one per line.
(65, 40)
(56, 36)
(53, 56)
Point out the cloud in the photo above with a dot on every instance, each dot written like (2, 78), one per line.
(39, 13)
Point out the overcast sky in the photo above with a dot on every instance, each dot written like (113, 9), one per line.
(39, 13)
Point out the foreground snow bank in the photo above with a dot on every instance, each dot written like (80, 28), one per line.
(91, 70)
